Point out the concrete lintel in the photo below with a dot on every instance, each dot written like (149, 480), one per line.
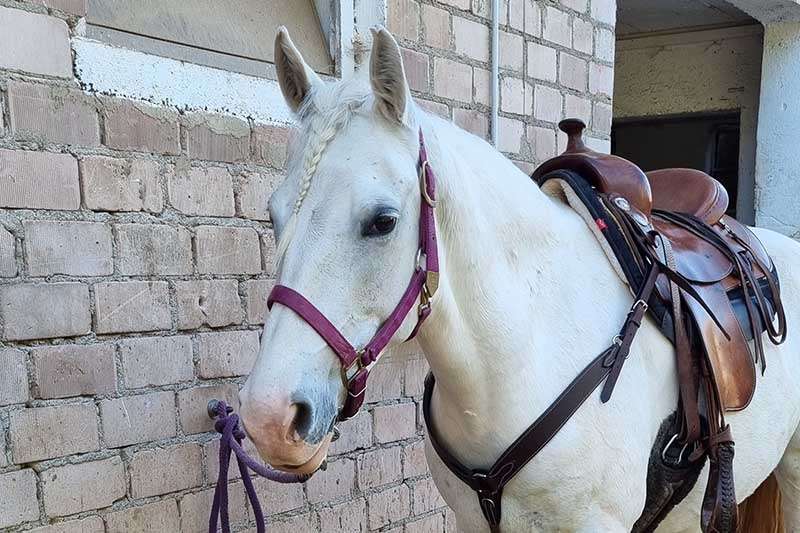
(770, 11)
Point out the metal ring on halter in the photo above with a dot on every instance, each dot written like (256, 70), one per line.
(668, 446)
(423, 184)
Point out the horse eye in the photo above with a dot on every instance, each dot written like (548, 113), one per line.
(381, 224)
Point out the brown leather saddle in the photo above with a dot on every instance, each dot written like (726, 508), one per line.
(716, 291)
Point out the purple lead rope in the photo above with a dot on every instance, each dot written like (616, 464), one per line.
(227, 424)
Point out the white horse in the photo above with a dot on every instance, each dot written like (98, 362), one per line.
(527, 298)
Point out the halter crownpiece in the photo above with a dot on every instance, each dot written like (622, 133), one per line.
(357, 363)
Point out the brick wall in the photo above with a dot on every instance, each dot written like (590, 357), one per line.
(135, 260)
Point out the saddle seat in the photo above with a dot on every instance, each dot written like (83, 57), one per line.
(690, 191)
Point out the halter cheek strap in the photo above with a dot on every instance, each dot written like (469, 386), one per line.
(356, 364)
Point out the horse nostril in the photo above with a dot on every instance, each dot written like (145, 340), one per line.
(301, 424)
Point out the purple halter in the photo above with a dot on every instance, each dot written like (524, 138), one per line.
(356, 363)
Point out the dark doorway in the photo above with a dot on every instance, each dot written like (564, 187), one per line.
(708, 142)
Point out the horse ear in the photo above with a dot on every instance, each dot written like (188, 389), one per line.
(295, 77)
(388, 79)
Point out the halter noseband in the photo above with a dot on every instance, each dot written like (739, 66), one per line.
(356, 364)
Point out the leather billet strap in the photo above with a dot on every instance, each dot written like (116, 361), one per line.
(356, 363)
(489, 484)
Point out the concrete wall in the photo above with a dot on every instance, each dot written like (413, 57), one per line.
(696, 72)
(136, 253)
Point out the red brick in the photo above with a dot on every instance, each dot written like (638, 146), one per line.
(394, 422)
(135, 419)
(388, 506)
(34, 43)
(45, 310)
(113, 184)
(213, 303)
(253, 195)
(127, 306)
(158, 517)
(201, 191)
(81, 487)
(349, 516)
(153, 249)
(257, 291)
(140, 127)
(38, 180)
(379, 467)
(65, 247)
(355, 433)
(192, 404)
(14, 377)
(74, 370)
(8, 261)
(226, 250)
(19, 498)
(414, 462)
(452, 80)
(278, 498)
(195, 507)
(270, 145)
(338, 482)
(217, 138)
(91, 524)
(402, 19)
(430, 524)
(49, 432)
(227, 353)
(154, 361)
(426, 497)
(52, 114)
(177, 468)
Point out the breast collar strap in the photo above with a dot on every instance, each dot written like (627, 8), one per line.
(356, 363)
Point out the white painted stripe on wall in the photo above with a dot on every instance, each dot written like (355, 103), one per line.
(131, 74)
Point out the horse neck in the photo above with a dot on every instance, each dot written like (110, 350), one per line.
(509, 320)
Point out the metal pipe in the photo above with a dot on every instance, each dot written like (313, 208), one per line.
(495, 75)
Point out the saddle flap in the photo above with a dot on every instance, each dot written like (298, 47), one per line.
(696, 259)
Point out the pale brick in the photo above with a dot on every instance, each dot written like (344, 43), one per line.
(213, 303)
(547, 104)
(348, 516)
(74, 370)
(388, 506)
(38, 180)
(533, 18)
(355, 434)
(582, 36)
(226, 250)
(430, 524)
(268, 253)
(416, 66)
(482, 83)
(3, 455)
(602, 117)
(434, 107)
(227, 353)
(279, 498)
(112, 184)
(394, 422)
(460, 4)
(20, 503)
(177, 468)
(192, 404)
(509, 138)
(402, 19)
(91, 524)
(601, 80)
(473, 121)
(542, 62)
(513, 95)
(13, 377)
(303, 523)
(577, 107)
(74, 7)
(526, 167)
(153, 249)
(257, 291)
(128, 306)
(426, 497)
(471, 38)
(436, 27)
(414, 462)
(49, 432)
(201, 191)
(605, 11)
(211, 460)
(158, 517)
(543, 143)
(135, 419)
(217, 138)
(254, 193)
(337, 483)
(557, 28)
(65, 247)
(605, 45)
(385, 381)
(270, 145)
(516, 14)
(52, 114)
(379, 467)
(8, 261)
(34, 43)
(482, 8)
(194, 508)
(155, 361)
(511, 51)
(81, 487)
(45, 310)
(452, 79)
(599, 145)
(141, 127)
(415, 371)
(450, 525)
(572, 72)
(577, 5)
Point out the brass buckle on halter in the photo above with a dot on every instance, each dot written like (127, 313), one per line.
(423, 184)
